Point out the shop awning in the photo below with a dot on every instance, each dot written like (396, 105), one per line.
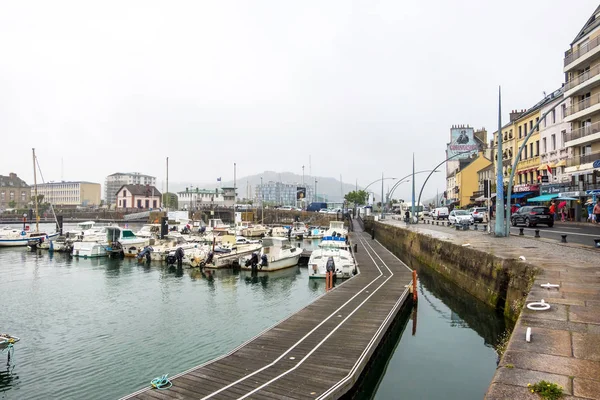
(520, 195)
(481, 198)
(544, 197)
(561, 163)
(544, 167)
(566, 198)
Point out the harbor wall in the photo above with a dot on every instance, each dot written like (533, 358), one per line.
(499, 282)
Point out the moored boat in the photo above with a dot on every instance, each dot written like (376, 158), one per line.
(276, 253)
(343, 263)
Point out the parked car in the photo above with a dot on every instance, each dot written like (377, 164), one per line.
(426, 212)
(460, 217)
(286, 208)
(334, 210)
(440, 213)
(324, 210)
(531, 216)
(478, 213)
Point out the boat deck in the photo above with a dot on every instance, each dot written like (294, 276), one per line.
(318, 352)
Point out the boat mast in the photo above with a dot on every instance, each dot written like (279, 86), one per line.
(37, 218)
(167, 197)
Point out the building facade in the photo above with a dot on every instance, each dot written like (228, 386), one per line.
(114, 182)
(529, 162)
(487, 174)
(14, 192)
(142, 197)
(194, 198)
(582, 87)
(284, 194)
(467, 183)
(553, 135)
(70, 193)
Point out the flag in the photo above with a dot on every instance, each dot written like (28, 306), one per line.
(549, 168)
(219, 179)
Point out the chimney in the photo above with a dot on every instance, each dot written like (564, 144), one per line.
(12, 175)
(515, 114)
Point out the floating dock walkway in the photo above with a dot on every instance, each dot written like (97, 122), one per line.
(317, 353)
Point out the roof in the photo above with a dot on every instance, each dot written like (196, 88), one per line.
(12, 180)
(590, 25)
(131, 173)
(141, 190)
(200, 191)
(489, 167)
(63, 182)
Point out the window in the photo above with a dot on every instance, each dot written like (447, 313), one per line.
(23, 196)
(119, 203)
(531, 125)
(154, 203)
(537, 147)
(544, 148)
(563, 135)
(147, 203)
(553, 114)
(139, 204)
(530, 150)
(525, 153)
(124, 193)
(12, 196)
(553, 142)
(124, 203)
(564, 111)
(520, 134)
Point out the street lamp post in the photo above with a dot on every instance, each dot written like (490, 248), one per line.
(401, 180)
(435, 170)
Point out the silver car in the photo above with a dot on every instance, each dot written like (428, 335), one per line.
(460, 217)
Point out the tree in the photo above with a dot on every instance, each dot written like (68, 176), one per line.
(357, 197)
(170, 200)
(12, 204)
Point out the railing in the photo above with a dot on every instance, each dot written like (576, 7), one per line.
(584, 159)
(571, 55)
(579, 79)
(583, 104)
(583, 131)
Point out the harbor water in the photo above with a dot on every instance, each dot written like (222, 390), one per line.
(103, 328)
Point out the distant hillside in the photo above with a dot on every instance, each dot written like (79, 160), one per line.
(327, 186)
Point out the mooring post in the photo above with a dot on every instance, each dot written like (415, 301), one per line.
(414, 285)
(597, 243)
(485, 228)
(355, 248)
(563, 238)
(475, 227)
(537, 233)
(521, 233)
(373, 233)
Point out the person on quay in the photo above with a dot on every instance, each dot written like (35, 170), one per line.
(597, 211)
(553, 210)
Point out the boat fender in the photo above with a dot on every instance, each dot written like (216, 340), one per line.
(23, 233)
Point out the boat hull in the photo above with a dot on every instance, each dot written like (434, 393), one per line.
(21, 242)
(276, 265)
(89, 250)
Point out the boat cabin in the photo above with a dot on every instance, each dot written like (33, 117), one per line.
(115, 234)
(84, 226)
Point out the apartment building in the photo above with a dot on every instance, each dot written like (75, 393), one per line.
(582, 87)
(284, 194)
(467, 182)
(554, 154)
(14, 192)
(115, 181)
(195, 198)
(63, 193)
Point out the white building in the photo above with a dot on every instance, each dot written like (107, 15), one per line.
(194, 198)
(554, 133)
(114, 182)
(139, 197)
(69, 193)
(284, 194)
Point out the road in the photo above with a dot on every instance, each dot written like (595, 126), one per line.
(576, 233)
(582, 234)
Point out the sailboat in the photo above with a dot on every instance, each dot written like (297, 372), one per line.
(11, 237)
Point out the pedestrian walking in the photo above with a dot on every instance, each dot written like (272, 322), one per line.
(597, 211)
(590, 211)
(553, 210)
(407, 216)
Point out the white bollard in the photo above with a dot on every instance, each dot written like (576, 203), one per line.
(528, 335)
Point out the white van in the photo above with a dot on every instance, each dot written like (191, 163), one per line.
(440, 213)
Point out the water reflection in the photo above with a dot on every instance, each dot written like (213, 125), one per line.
(451, 340)
(8, 378)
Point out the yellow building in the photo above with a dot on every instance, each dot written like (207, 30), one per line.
(467, 180)
(70, 193)
(527, 168)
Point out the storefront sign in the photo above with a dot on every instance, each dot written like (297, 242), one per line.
(596, 164)
(570, 194)
(592, 192)
(526, 188)
(551, 189)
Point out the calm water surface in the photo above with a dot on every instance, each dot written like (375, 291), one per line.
(103, 328)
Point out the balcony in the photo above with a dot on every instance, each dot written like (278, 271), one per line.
(584, 52)
(584, 159)
(582, 135)
(582, 81)
(583, 108)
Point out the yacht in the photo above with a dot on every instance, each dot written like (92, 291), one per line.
(299, 229)
(335, 237)
(276, 253)
(110, 239)
(149, 231)
(10, 237)
(342, 259)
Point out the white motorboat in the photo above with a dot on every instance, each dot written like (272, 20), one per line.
(81, 229)
(59, 244)
(255, 231)
(335, 237)
(342, 261)
(299, 230)
(216, 225)
(229, 252)
(149, 231)
(110, 239)
(15, 237)
(336, 228)
(276, 253)
(6, 340)
(278, 231)
(314, 233)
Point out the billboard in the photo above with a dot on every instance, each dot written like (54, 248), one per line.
(300, 193)
(462, 140)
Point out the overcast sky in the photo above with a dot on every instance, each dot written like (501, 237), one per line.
(359, 86)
